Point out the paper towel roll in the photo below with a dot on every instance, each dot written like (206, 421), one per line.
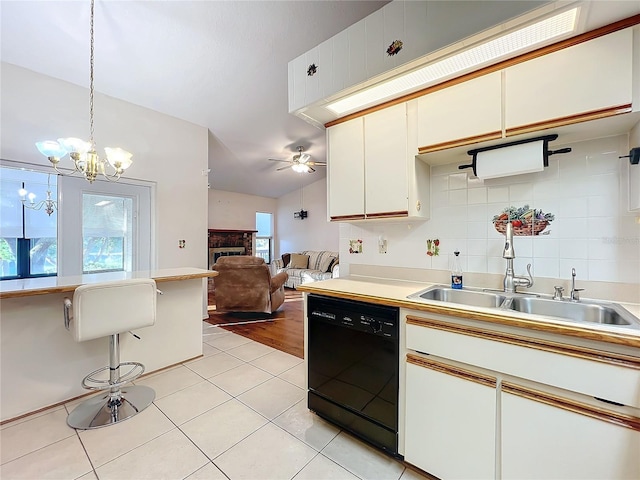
(512, 160)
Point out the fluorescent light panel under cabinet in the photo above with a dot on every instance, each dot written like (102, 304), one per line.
(510, 43)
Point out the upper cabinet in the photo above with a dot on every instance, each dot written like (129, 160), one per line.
(372, 169)
(578, 83)
(385, 146)
(345, 154)
(395, 37)
(462, 114)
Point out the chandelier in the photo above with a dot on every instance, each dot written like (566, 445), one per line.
(83, 153)
(48, 204)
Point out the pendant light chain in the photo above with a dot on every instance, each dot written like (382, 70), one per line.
(86, 160)
(91, 82)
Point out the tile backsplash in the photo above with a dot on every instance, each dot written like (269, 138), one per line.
(586, 190)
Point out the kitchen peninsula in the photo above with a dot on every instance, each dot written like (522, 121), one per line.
(41, 364)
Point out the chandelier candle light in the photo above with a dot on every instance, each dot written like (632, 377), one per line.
(49, 204)
(85, 159)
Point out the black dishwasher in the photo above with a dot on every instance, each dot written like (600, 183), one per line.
(353, 367)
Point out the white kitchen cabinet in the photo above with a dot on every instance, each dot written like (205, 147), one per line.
(297, 80)
(374, 47)
(372, 173)
(572, 84)
(357, 61)
(345, 154)
(461, 114)
(385, 147)
(544, 437)
(450, 420)
(340, 64)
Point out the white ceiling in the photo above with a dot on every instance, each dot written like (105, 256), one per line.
(219, 64)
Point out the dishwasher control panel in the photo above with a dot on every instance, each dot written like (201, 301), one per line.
(365, 317)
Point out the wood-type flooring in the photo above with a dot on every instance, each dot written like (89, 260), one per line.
(284, 330)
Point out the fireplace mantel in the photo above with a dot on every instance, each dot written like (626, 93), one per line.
(222, 230)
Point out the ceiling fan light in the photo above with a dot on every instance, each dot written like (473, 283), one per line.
(304, 158)
(299, 168)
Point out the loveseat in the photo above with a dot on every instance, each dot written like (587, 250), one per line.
(307, 266)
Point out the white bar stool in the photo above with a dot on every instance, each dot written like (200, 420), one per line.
(107, 309)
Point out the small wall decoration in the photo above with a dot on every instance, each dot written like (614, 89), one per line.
(526, 221)
(433, 247)
(394, 48)
(312, 70)
(355, 246)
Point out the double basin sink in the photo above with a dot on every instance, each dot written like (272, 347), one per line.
(582, 312)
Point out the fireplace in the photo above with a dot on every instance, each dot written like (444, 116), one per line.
(229, 242)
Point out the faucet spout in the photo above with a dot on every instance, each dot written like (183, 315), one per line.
(508, 253)
(511, 282)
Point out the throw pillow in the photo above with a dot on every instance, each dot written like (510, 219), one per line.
(298, 261)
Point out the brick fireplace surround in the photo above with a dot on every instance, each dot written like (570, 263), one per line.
(228, 242)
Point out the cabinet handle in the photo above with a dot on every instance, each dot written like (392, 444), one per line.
(608, 416)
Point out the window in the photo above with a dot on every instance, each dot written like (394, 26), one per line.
(28, 238)
(264, 237)
(106, 233)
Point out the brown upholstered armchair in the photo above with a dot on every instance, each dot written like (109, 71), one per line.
(244, 284)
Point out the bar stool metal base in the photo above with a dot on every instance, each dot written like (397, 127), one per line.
(101, 410)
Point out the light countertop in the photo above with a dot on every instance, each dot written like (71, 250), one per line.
(395, 292)
(46, 285)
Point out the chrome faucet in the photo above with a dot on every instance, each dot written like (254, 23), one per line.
(511, 282)
(575, 296)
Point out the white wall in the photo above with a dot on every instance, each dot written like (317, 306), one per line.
(312, 233)
(237, 211)
(587, 190)
(168, 151)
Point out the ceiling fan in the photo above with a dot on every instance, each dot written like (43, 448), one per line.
(301, 162)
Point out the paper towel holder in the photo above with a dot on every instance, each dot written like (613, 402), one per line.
(545, 149)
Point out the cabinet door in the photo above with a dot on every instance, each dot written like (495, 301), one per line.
(450, 420)
(547, 438)
(345, 163)
(297, 74)
(592, 78)
(385, 147)
(462, 114)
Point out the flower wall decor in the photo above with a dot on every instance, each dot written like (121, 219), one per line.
(355, 246)
(526, 221)
(433, 247)
(394, 48)
(312, 70)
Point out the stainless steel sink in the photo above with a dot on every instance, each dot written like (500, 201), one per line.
(466, 296)
(590, 312)
(585, 311)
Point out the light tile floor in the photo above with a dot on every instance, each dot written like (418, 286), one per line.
(239, 412)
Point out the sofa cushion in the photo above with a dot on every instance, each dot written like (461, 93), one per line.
(321, 260)
(298, 261)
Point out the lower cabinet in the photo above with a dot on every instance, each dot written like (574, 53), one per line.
(477, 406)
(450, 420)
(549, 437)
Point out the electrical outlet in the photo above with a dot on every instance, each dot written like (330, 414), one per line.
(182, 243)
(382, 245)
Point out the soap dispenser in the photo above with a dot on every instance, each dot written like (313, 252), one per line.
(456, 272)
